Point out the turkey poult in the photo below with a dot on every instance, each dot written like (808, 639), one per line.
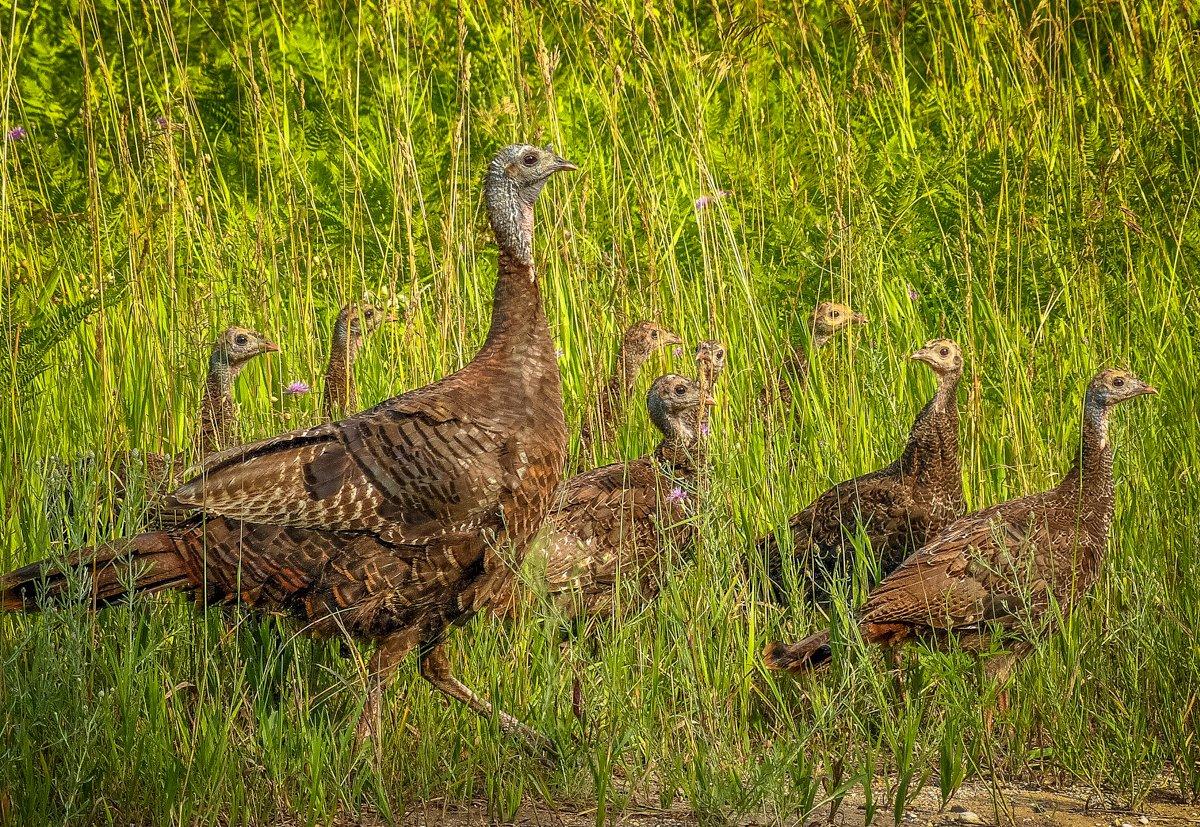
(217, 425)
(218, 413)
(392, 526)
(899, 508)
(354, 323)
(710, 364)
(827, 320)
(640, 341)
(621, 522)
(999, 571)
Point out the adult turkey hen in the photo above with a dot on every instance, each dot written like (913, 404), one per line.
(622, 521)
(392, 526)
(998, 571)
(640, 341)
(898, 508)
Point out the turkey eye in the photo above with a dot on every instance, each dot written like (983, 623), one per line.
(1117, 383)
(653, 334)
(530, 159)
(680, 390)
(834, 314)
(241, 339)
(945, 351)
(370, 314)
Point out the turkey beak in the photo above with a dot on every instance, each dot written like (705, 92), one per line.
(269, 346)
(919, 356)
(563, 165)
(710, 402)
(859, 318)
(1149, 390)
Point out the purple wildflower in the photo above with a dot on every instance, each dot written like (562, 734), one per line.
(704, 429)
(558, 353)
(677, 495)
(161, 122)
(706, 201)
(913, 295)
(297, 388)
(18, 133)
(678, 350)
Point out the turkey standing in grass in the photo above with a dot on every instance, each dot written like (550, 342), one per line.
(621, 522)
(898, 508)
(640, 341)
(217, 426)
(392, 526)
(827, 320)
(997, 573)
(354, 323)
(710, 364)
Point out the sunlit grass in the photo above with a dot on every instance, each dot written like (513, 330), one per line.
(1020, 180)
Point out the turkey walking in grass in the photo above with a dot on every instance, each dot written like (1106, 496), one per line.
(622, 522)
(1002, 572)
(392, 526)
(897, 508)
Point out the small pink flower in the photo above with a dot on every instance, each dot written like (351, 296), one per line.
(913, 295)
(161, 122)
(678, 351)
(706, 201)
(704, 429)
(297, 388)
(558, 353)
(676, 495)
(18, 133)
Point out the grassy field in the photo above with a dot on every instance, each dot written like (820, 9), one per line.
(1022, 179)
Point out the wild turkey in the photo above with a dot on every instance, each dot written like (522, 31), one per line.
(710, 364)
(354, 323)
(621, 522)
(827, 320)
(218, 413)
(392, 526)
(157, 473)
(640, 341)
(899, 508)
(998, 571)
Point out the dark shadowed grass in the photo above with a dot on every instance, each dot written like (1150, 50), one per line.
(1021, 180)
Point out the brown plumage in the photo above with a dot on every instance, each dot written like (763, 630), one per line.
(710, 364)
(218, 413)
(827, 320)
(640, 341)
(998, 570)
(354, 323)
(898, 508)
(394, 525)
(620, 523)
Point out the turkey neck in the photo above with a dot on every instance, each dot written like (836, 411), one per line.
(680, 450)
(339, 376)
(1088, 486)
(619, 386)
(217, 414)
(931, 453)
(519, 330)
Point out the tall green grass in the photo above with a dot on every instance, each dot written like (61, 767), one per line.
(1023, 179)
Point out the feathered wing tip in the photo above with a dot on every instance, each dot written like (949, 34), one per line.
(809, 654)
(149, 563)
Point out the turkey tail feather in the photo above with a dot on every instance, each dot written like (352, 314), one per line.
(148, 563)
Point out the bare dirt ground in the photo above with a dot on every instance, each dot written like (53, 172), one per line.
(974, 804)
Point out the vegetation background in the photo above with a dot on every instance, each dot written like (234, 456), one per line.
(1020, 176)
